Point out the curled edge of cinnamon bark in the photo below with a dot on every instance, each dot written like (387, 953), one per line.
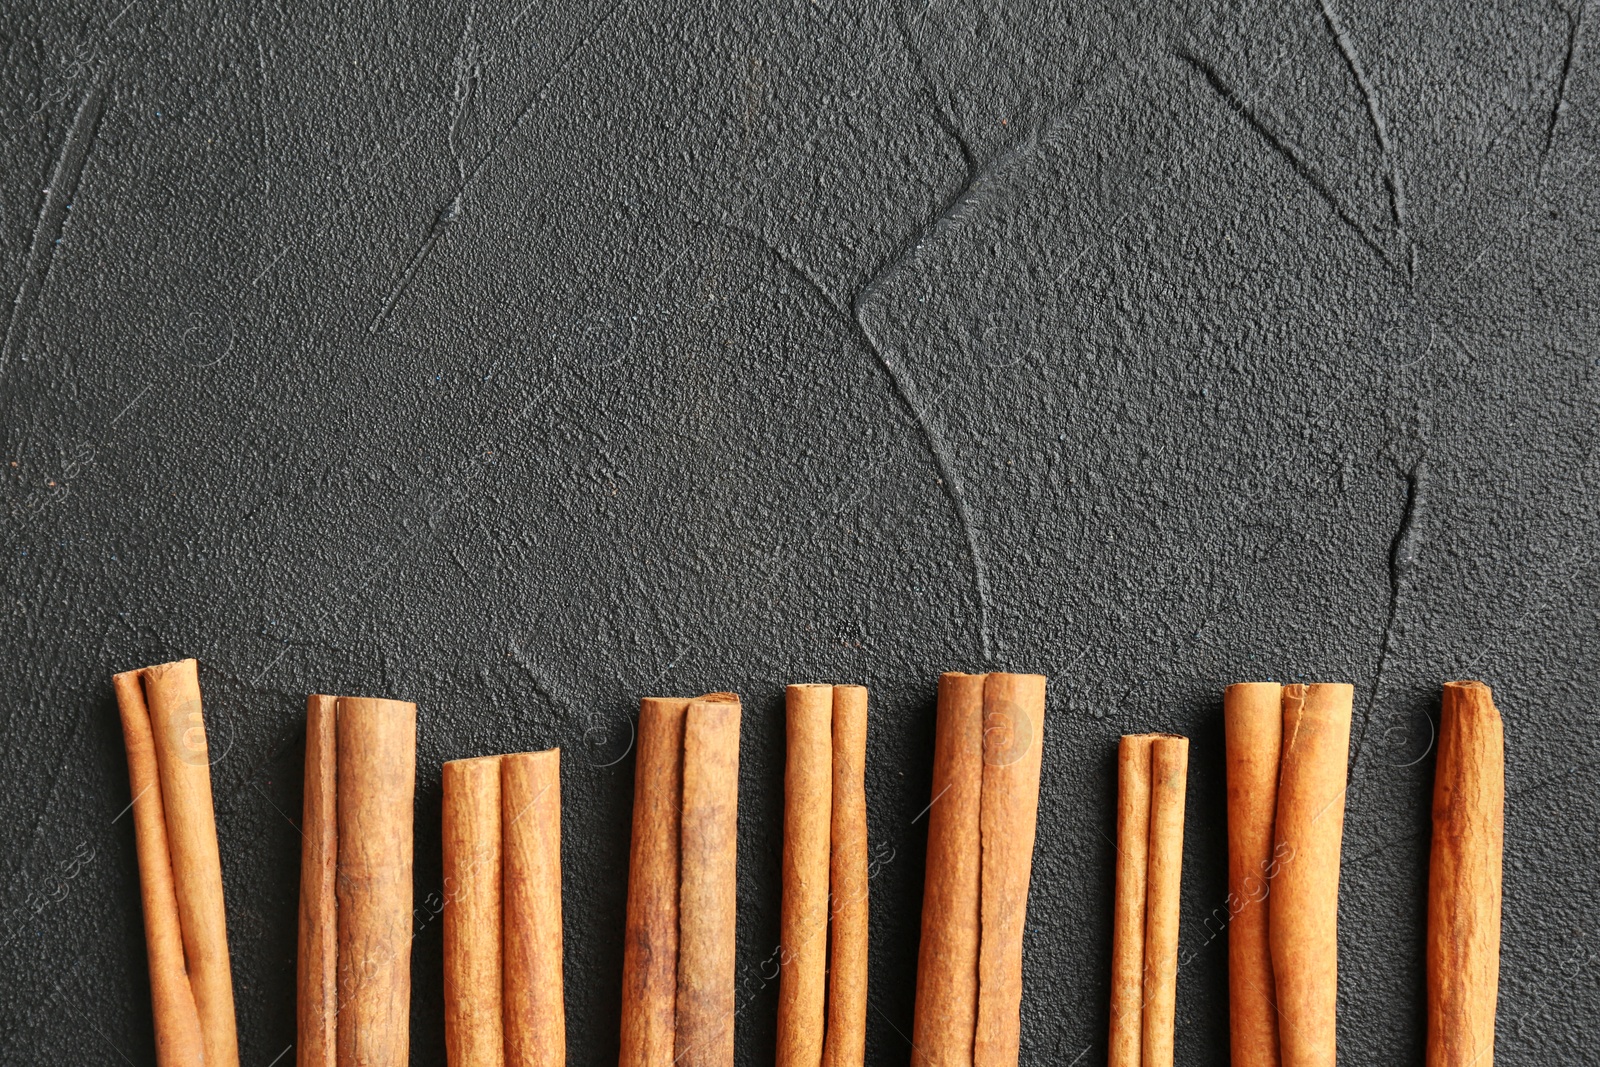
(845, 1042)
(1464, 878)
(1128, 901)
(1303, 907)
(170, 707)
(1253, 728)
(1169, 772)
(474, 1026)
(535, 1004)
(317, 962)
(807, 834)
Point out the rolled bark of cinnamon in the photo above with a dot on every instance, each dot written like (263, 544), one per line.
(162, 703)
(807, 829)
(650, 946)
(535, 1005)
(1128, 907)
(943, 1025)
(1464, 878)
(708, 885)
(982, 823)
(355, 924)
(474, 1031)
(1169, 771)
(846, 1041)
(177, 1023)
(1303, 907)
(1253, 724)
(317, 967)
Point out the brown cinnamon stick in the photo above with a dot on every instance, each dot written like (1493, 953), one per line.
(846, 1041)
(1253, 723)
(707, 887)
(1128, 907)
(535, 1006)
(1303, 907)
(1169, 770)
(177, 1023)
(982, 822)
(650, 945)
(1464, 878)
(317, 967)
(807, 829)
(947, 958)
(360, 777)
(474, 1032)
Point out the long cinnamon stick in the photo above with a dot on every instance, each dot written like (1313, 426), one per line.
(317, 965)
(845, 1044)
(172, 709)
(1464, 878)
(1169, 768)
(987, 748)
(1303, 909)
(650, 945)
(375, 758)
(1128, 906)
(807, 829)
(177, 1023)
(535, 1014)
(947, 958)
(473, 1026)
(708, 886)
(1253, 724)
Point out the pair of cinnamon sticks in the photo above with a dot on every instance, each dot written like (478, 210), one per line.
(502, 911)
(822, 992)
(1152, 784)
(981, 825)
(678, 959)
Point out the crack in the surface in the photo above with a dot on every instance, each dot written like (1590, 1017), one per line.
(1402, 559)
(1380, 128)
(452, 209)
(1286, 150)
(1574, 24)
(52, 220)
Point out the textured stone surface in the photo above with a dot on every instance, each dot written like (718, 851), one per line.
(521, 359)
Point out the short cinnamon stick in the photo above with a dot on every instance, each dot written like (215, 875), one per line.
(535, 1006)
(987, 749)
(1464, 878)
(360, 777)
(807, 830)
(1303, 907)
(846, 1041)
(1128, 905)
(1169, 769)
(177, 1023)
(474, 1032)
(1253, 725)
(708, 885)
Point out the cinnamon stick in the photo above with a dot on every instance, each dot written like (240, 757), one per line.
(807, 829)
(1128, 907)
(1253, 724)
(707, 887)
(317, 967)
(1169, 769)
(1303, 907)
(177, 1023)
(1152, 780)
(474, 1034)
(846, 1041)
(1464, 878)
(982, 822)
(650, 943)
(535, 1012)
(360, 777)
(170, 710)
(943, 1025)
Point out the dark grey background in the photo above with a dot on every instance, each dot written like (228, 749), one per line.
(520, 359)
